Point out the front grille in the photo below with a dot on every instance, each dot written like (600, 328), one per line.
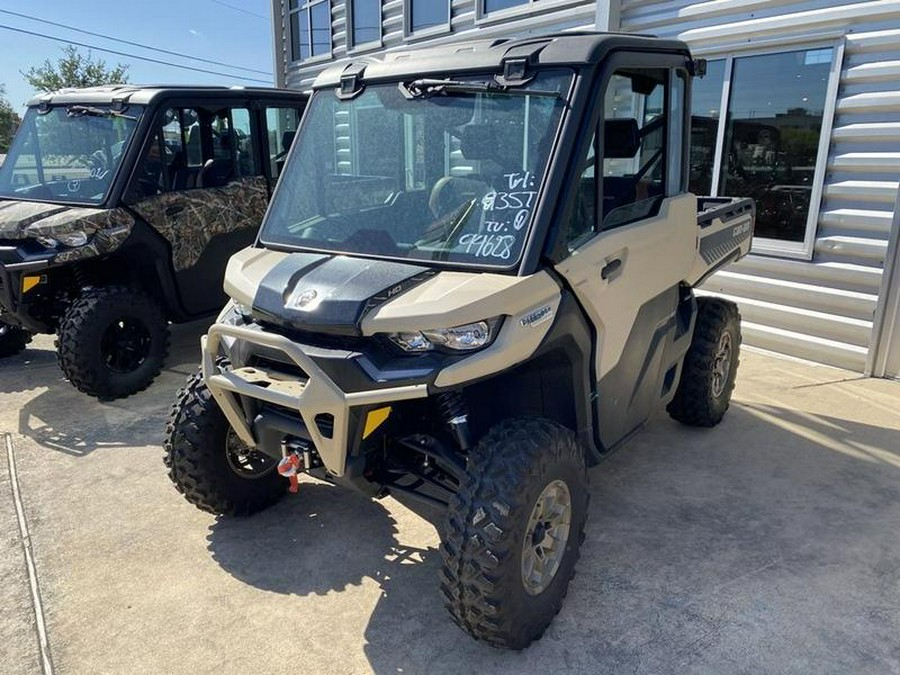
(286, 367)
(350, 343)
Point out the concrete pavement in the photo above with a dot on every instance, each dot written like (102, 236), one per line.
(768, 544)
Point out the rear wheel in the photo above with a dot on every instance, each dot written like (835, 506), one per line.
(112, 341)
(12, 339)
(513, 532)
(710, 366)
(210, 465)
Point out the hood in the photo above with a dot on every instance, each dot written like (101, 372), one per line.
(314, 291)
(105, 229)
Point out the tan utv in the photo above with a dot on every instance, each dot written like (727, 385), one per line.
(488, 290)
(119, 209)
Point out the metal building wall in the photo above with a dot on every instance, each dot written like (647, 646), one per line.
(558, 15)
(823, 309)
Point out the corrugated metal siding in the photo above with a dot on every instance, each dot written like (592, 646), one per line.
(580, 14)
(821, 310)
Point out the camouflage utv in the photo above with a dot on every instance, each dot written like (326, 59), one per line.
(119, 207)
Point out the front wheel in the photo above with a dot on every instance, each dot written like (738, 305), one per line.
(513, 532)
(12, 339)
(210, 465)
(112, 341)
(710, 365)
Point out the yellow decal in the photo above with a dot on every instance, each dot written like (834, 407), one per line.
(29, 282)
(374, 419)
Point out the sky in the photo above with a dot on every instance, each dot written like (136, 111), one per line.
(230, 32)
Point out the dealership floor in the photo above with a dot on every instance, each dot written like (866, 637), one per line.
(769, 544)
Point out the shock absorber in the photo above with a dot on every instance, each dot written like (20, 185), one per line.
(456, 414)
(82, 279)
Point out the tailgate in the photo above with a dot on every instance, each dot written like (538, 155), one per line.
(725, 230)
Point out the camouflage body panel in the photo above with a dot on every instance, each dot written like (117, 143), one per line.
(189, 219)
(106, 229)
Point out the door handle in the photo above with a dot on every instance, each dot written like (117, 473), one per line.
(611, 268)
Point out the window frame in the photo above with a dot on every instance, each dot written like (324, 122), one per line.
(482, 16)
(799, 250)
(352, 46)
(308, 5)
(440, 29)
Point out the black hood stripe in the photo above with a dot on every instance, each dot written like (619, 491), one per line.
(338, 290)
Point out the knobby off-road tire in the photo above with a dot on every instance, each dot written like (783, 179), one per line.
(482, 579)
(12, 339)
(112, 341)
(710, 366)
(208, 463)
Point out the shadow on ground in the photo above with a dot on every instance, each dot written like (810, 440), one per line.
(322, 540)
(769, 541)
(62, 419)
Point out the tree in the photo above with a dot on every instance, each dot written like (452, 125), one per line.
(9, 121)
(74, 69)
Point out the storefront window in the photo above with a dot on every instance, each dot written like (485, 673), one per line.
(772, 135)
(705, 114)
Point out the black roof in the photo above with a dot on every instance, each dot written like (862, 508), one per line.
(144, 94)
(556, 49)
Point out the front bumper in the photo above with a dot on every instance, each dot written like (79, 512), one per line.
(309, 391)
(15, 263)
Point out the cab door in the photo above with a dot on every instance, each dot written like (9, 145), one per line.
(200, 184)
(631, 240)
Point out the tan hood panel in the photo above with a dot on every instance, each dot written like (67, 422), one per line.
(456, 298)
(246, 270)
(529, 305)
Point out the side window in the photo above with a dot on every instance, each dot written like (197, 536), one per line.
(583, 224)
(245, 148)
(634, 145)
(629, 155)
(281, 127)
(163, 161)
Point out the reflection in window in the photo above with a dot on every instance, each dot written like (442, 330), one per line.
(772, 137)
(425, 14)
(705, 113)
(366, 18)
(310, 28)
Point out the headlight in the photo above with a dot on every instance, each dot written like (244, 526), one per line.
(465, 338)
(73, 239)
(47, 242)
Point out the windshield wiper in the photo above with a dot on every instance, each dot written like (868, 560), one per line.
(81, 110)
(425, 87)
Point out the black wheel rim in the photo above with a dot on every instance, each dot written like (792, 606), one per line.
(245, 461)
(125, 345)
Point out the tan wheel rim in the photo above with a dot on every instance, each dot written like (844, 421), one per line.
(546, 537)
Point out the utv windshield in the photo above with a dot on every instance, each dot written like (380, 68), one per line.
(67, 154)
(436, 170)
